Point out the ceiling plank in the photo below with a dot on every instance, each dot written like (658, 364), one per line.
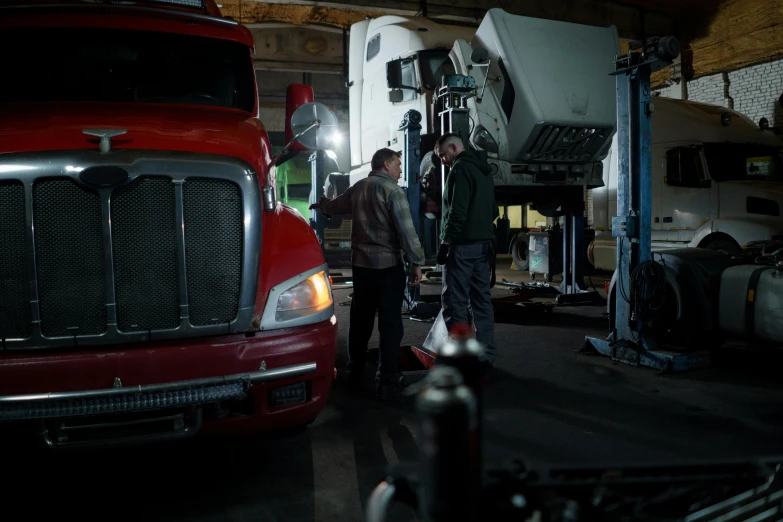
(739, 34)
(344, 13)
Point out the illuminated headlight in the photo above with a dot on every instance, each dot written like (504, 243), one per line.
(302, 300)
(311, 296)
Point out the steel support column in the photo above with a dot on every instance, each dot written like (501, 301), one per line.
(632, 225)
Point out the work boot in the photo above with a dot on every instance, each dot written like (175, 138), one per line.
(390, 386)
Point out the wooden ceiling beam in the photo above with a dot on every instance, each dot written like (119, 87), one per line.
(343, 13)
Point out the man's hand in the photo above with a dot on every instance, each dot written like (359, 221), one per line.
(443, 253)
(414, 276)
(315, 206)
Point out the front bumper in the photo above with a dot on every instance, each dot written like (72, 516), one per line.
(225, 382)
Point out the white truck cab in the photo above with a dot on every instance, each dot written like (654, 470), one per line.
(717, 182)
(544, 95)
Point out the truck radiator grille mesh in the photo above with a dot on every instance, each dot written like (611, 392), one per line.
(157, 254)
(69, 258)
(213, 249)
(14, 278)
(144, 239)
(568, 144)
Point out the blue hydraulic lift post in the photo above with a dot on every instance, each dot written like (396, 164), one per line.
(624, 204)
(411, 164)
(632, 225)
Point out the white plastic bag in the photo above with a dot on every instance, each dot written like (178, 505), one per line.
(438, 334)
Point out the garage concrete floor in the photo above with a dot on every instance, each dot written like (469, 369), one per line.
(545, 404)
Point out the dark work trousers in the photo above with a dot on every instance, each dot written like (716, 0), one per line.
(466, 292)
(378, 290)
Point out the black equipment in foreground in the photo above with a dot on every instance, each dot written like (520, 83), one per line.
(449, 483)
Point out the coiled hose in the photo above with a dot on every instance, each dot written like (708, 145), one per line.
(648, 290)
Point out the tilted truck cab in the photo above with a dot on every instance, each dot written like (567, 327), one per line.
(717, 182)
(544, 94)
(151, 285)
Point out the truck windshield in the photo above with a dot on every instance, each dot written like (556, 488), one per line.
(434, 64)
(742, 162)
(99, 65)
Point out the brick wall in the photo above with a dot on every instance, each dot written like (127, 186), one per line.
(755, 91)
(709, 89)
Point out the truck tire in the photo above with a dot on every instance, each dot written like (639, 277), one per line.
(519, 251)
(722, 244)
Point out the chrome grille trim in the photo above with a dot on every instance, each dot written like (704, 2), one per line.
(178, 166)
(108, 260)
(179, 212)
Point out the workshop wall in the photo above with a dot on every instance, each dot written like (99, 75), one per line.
(754, 91)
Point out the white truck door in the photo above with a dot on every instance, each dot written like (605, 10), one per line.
(685, 193)
(410, 100)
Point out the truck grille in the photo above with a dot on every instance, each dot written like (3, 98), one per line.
(14, 279)
(568, 144)
(144, 239)
(213, 249)
(158, 257)
(69, 258)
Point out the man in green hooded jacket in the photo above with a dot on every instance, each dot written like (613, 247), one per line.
(467, 235)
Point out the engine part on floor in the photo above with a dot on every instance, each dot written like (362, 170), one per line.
(751, 302)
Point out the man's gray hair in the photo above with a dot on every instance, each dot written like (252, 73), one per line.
(449, 139)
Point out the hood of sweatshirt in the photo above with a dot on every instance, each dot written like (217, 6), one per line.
(476, 159)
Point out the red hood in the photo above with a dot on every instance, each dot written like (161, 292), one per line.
(49, 126)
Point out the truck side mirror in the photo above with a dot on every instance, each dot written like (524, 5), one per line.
(296, 95)
(315, 128)
(395, 95)
(394, 74)
(479, 56)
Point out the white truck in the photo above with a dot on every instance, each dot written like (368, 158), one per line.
(545, 99)
(717, 182)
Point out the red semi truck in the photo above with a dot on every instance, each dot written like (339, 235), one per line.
(150, 285)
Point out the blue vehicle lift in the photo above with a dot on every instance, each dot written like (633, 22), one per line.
(632, 226)
(411, 164)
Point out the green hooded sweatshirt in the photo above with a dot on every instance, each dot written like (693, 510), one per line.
(469, 208)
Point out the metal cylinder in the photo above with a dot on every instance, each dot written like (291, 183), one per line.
(447, 420)
(462, 352)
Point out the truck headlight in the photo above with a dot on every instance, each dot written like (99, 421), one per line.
(483, 140)
(306, 298)
(302, 300)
